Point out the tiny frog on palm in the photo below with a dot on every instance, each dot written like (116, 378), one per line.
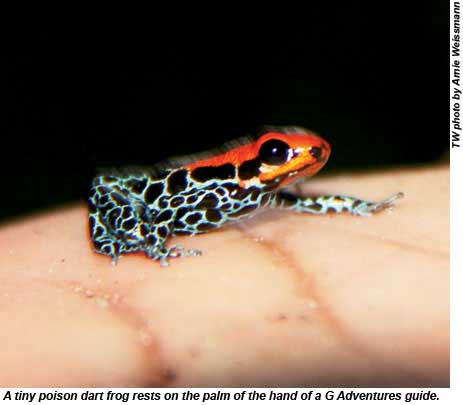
(140, 209)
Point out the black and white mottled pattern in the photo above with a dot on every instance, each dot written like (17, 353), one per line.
(131, 213)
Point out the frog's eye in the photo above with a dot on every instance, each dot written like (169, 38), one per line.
(274, 152)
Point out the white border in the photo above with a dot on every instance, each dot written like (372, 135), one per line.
(445, 396)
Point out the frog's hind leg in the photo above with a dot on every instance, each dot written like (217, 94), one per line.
(332, 203)
(121, 224)
(115, 222)
(103, 242)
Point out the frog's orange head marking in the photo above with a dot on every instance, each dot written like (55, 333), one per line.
(288, 154)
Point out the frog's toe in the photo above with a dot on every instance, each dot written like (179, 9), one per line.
(385, 204)
(179, 251)
(164, 254)
(114, 260)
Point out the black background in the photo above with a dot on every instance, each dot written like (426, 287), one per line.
(372, 81)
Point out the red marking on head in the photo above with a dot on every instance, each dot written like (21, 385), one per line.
(307, 154)
(235, 155)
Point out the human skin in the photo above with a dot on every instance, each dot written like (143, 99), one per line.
(283, 299)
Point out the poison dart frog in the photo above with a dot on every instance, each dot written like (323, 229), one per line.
(135, 210)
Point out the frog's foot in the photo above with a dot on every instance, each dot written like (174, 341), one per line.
(367, 208)
(163, 254)
(179, 251)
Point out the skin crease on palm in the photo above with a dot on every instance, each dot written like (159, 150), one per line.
(283, 299)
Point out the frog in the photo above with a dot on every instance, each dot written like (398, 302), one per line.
(139, 209)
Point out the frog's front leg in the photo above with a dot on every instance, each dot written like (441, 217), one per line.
(332, 203)
(162, 229)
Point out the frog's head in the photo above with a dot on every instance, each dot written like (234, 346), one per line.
(286, 154)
